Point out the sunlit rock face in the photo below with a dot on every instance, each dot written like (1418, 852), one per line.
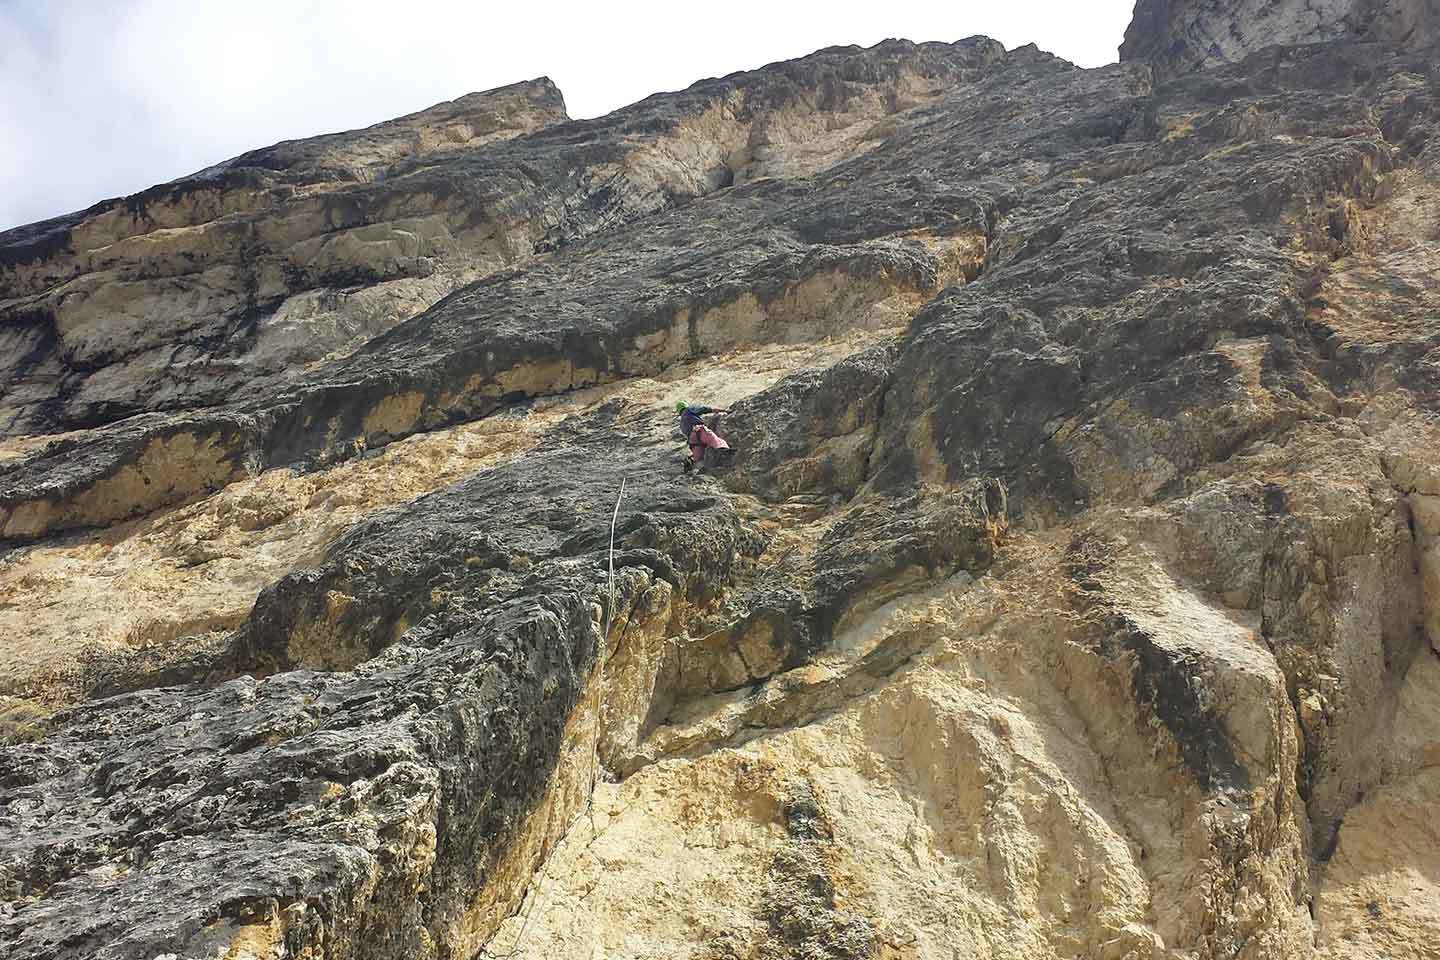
(1073, 590)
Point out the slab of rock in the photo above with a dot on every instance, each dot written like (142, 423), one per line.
(1177, 36)
(184, 294)
(362, 794)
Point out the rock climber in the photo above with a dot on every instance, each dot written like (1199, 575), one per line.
(696, 434)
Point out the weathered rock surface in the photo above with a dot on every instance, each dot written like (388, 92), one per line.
(1074, 590)
(1180, 35)
(184, 293)
(188, 292)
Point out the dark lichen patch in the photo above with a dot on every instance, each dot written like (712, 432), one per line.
(21, 720)
(803, 913)
(1169, 683)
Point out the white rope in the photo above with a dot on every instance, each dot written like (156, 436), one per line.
(600, 655)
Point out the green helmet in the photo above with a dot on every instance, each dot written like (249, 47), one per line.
(680, 406)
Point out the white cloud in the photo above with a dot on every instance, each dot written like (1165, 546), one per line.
(101, 100)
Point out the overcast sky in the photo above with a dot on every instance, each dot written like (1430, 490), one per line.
(102, 98)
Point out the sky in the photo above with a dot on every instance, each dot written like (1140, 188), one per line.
(103, 98)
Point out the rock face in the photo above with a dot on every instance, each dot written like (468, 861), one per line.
(184, 294)
(1180, 35)
(1074, 590)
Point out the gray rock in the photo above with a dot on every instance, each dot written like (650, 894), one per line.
(364, 788)
(1177, 36)
(181, 295)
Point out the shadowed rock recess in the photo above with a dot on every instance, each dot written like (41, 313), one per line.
(1074, 591)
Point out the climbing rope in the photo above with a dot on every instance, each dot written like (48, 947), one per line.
(601, 653)
(601, 656)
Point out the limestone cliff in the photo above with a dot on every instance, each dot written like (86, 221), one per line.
(1074, 591)
(1179, 35)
